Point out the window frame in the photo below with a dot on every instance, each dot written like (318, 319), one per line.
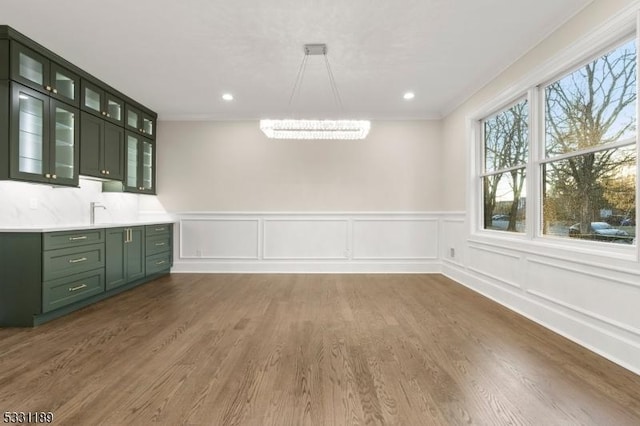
(483, 173)
(614, 33)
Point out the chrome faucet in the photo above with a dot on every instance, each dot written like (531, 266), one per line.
(92, 212)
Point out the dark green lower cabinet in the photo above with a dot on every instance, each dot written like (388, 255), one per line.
(44, 276)
(125, 256)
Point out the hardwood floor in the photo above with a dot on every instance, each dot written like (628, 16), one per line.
(308, 349)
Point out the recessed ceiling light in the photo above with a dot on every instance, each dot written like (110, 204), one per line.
(227, 97)
(409, 95)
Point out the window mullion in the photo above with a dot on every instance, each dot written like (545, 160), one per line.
(534, 180)
(591, 150)
(505, 170)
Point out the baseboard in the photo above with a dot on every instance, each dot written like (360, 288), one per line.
(615, 348)
(350, 267)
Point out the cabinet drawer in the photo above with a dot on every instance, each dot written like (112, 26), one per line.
(159, 244)
(158, 263)
(67, 290)
(62, 262)
(161, 229)
(54, 240)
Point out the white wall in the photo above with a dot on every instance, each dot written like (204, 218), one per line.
(585, 293)
(232, 166)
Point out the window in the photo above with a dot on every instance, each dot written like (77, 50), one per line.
(581, 162)
(589, 169)
(506, 151)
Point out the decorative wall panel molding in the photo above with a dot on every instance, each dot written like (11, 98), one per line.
(308, 242)
(496, 264)
(219, 238)
(309, 239)
(395, 238)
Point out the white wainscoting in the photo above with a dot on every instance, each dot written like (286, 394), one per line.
(234, 238)
(307, 242)
(395, 238)
(308, 239)
(596, 306)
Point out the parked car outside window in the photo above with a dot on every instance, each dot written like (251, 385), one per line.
(601, 231)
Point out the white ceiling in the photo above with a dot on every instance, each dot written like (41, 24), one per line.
(179, 57)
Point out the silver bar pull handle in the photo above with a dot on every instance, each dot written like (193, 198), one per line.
(161, 262)
(159, 244)
(84, 237)
(159, 229)
(80, 287)
(82, 259)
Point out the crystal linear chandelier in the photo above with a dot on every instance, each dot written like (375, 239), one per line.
(315, 129)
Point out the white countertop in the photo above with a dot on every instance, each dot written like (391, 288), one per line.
(82, 226)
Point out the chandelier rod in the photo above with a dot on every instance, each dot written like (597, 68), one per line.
(333, 84)
(299, 77)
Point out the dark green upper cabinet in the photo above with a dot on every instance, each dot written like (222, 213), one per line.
(58, 122)
(101, 148)
(38, 72)
(44, 138)
(140, 121)
(139, 164)
(101, 102)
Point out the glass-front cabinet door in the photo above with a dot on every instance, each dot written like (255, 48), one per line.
(134, 119)
(29, 134)
(44, 136)
(140, 164)
(114, 108)
(92, 98)
(64, 155)
(147, 166)
(35, 71)
(132, 175)
(148, 125)
(64, 85)
(28, 67)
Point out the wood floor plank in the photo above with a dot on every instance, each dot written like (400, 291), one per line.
(307, 349)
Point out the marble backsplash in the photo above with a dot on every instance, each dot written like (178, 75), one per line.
(26, 204)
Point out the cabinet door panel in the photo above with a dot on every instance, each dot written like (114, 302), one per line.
(91, 134)
(92, 98)
(147, 170)
(64, 152)
(113, 151)
(133, 119)
(29, 134)
(148, 125)
(114, 108)
(135, 254)
(65, 85)
(28, 67)
(116, 274)
(131, 163)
